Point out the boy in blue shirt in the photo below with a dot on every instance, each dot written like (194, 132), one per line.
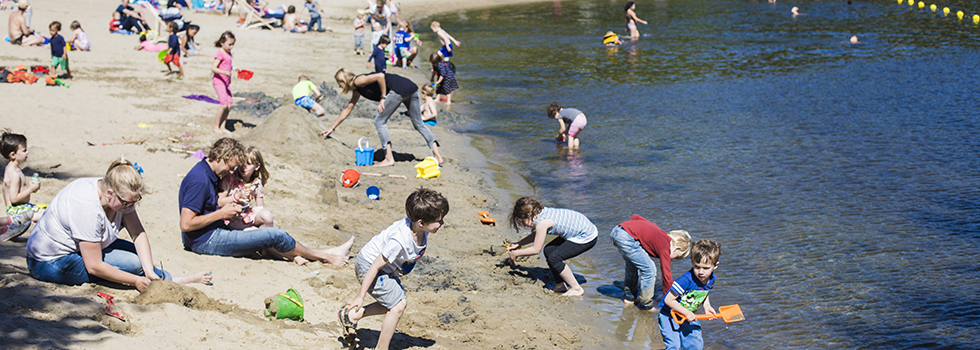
(380, 62)
(403, 46)
(314, 11)
(59, 56)
(688, 293)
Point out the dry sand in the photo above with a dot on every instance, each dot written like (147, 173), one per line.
(460, 296)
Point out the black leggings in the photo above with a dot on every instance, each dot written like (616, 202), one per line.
(560, 250)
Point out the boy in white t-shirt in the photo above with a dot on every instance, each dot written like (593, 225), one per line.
(390, 254)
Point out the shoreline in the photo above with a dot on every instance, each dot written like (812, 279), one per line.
(116, 89)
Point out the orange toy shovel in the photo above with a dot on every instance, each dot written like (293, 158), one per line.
(730, 313)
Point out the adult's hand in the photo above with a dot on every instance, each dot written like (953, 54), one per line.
(326, 133)
(229, 210)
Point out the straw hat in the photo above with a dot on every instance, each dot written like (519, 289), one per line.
(22, 4)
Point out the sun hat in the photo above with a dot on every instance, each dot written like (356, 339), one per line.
(22, 4)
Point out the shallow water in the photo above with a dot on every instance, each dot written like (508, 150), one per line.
(840, 179)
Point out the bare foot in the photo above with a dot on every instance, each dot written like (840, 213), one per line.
(574, 292)
(218, 131)
(227, 131)
(342, 249)
(628, 302)
(337, 260)
(299, 260)
(203, 277)
(386, 162)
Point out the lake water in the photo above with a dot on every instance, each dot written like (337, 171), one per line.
(841, 180)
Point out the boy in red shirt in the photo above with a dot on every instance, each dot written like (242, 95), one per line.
(639, 241)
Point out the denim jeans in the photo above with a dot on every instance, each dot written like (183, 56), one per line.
(70, 269)
(240, 243)
(641, 272)
(392, 100)
(317, 21)
(684, 336)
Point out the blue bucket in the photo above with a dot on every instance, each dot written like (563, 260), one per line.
(373, 192)
(363, 155)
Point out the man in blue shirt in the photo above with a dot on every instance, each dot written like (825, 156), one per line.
(202, 221)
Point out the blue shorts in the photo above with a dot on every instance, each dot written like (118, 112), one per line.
(403, 52)
(305, 102)
(445, 52)
(431, 122)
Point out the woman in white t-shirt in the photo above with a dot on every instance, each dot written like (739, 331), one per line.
(76, 240)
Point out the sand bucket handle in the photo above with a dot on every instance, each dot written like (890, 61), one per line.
(366, 144)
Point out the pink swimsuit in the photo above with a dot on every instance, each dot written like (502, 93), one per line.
(221, 82)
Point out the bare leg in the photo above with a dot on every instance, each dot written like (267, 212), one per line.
(574, 289)
(449, 99)
(435, 153)
(263, 217)
(275, 255)
(392, 316)
(389, 157)
(342, 249)
(220, 118)
(203, 277)
(316, 255)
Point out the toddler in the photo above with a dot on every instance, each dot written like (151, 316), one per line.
(173, 50)
(445, 39)
(59, 56)
(429, 111)
(687, 294)
(576, 235)
(444, 77)
(301, 95)
(570, 120)
(388, 256)
(359, 33)
(245, 187)
(17, 190)
(79, 40)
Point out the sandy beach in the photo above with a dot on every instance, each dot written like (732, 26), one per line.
(461, 295)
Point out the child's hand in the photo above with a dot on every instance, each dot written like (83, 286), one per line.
(368, 65)
(355, 304)
(711, 311)
(35, 186)
(512, 246)
(142, 283)
(512, 257)
(690, 316)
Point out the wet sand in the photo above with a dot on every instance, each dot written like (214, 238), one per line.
(460, 295)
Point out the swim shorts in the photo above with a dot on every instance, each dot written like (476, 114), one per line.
(172, 58)
(430, 122)
(305, 102)
(403, 52)
(386, 289)
(446, 52)
(59, 61)
(20, 208)
(577, 125)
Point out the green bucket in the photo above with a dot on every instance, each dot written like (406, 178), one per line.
(285, 305)
(161, 55)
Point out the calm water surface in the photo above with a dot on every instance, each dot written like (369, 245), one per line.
(841, 180)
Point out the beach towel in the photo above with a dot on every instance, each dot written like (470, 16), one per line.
(204, 98)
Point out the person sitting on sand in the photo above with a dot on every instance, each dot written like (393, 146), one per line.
(389, 90)
(244, 186)
(18, 30)
(76, 241)
(301, 95)
(129, 18)
(291, 23)
(202, 222)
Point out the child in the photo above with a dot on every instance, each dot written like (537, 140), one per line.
(570, 120)
(146, 45)
(429, 111)
(222, 79)
(611, 39)
(291, 23)
(445, 39)
(444, 76)
(187, 41)
(631, 20)
(79, 40)
(301, 95)
(16, 188)
(243, 186)
(314, 11)
(59, 56)
(576, 235)
(389, 255)
(379, 55)
(376, 33)
(359, 33)
(115, 26)
(173, 50)
(686, 296)
(403, 46)
(639, 241)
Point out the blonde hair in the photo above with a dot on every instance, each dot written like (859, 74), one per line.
(347, 77)
(226, 149)
(428, 90)
(304, 77)
(122, 177)
(253, 156)
(681, 240)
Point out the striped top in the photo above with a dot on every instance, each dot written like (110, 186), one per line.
(569, 224)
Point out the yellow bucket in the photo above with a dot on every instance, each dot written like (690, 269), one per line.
(427, 168)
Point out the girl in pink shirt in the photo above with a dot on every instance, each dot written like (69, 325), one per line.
(222, 79)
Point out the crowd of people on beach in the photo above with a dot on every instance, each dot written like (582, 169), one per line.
(75, 238)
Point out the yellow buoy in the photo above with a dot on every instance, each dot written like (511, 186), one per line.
(945, 11)
(911, 2)
(922, 4)
(976, 19)
(959, 14)
(900, 2)
(932, 7)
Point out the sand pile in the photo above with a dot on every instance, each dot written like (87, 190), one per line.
(162, 291)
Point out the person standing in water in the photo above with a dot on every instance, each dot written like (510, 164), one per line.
(631, 20)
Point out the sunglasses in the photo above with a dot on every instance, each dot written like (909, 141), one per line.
(128, 203)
